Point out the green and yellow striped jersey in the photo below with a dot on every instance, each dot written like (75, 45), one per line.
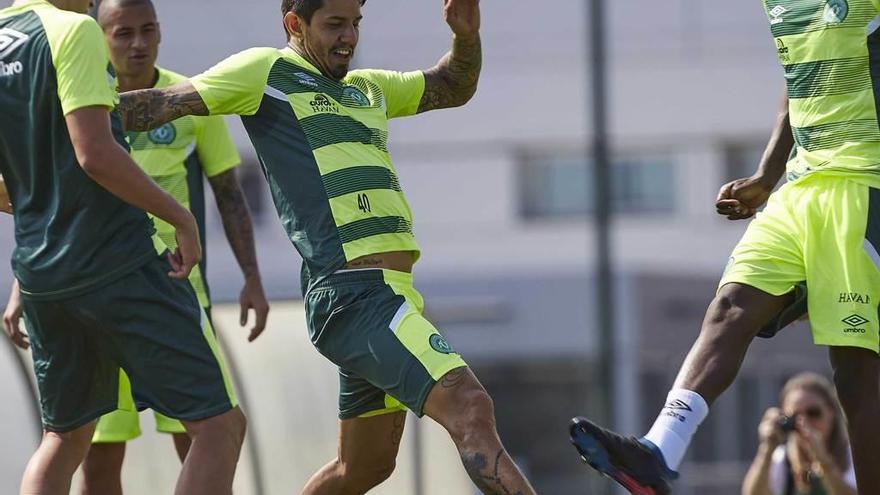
(830, 51)
(323, 145)
(71, 234)
(176, 156)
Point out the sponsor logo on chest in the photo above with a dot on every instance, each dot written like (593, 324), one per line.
(321, 104)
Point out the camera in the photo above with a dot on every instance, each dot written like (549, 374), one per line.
(787, 423)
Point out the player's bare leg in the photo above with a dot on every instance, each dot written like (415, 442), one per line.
(367, 456)
(461, 405)
(182, 444)
(51, 468)
(647, 466)
(857, 378)
(209, 468)
(102, 469)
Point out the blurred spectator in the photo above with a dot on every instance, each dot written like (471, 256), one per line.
(804, 449)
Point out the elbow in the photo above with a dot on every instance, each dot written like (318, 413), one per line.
(93, 160)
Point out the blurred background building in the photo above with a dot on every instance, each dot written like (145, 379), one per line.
(500, 193)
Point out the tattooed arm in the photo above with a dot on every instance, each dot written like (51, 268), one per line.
(240, 234)
(147, 109)
(453, 81)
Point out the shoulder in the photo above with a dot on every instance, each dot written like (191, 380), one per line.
(258, 54)
(62, 24)
(168, 77)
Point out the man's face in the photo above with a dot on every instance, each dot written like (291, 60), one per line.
(332, 36)
(133, 36)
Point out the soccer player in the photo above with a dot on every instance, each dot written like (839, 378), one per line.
(321, 133)
(96, 292)
(176, 156)
(821, 230)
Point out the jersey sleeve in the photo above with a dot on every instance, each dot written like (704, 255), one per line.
(235, 86)
(403, 90)
(214, 146)
(82, 66)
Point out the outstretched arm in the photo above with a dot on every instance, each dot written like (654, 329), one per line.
(453, 81)
(147, 109)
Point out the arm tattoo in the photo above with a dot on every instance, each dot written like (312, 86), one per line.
(453, 81)
(150, 108)
(454, 378)
(236, 221)
(486, 474)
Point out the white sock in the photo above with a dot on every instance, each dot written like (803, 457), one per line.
(676, 425)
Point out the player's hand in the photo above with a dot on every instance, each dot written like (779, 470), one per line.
(189, 249)
(253, 297)
(742, 198)
(5, 204)
(12, 319)
(768, 431)
(463, 17)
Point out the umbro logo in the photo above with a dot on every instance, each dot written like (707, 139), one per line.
(10, 39)
(854, 323)
(306, 79)
(678, 404)
(776, 14)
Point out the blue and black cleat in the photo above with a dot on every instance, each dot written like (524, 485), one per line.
(636, 465)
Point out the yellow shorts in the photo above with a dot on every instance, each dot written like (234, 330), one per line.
(124, 423)
(824, 231)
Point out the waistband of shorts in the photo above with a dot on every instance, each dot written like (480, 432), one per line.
(363, 276)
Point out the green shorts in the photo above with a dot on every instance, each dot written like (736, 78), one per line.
(370, 324)
(823, 231)
(145, 323)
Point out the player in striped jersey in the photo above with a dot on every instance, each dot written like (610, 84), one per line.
(813, 249)
(321, 132)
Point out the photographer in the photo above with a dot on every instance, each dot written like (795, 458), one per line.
(804, 449)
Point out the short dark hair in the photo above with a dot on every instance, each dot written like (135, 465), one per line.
(304, 8)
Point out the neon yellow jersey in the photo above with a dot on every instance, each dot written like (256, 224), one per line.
(71, 234)
(830, 51)
(323, 145)
(176, 156)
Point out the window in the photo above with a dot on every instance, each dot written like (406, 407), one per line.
(741, 159)
(561, 185)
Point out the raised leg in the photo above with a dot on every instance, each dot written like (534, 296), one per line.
(461, 405)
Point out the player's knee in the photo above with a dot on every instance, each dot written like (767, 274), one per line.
(727, 318)
(366, 475)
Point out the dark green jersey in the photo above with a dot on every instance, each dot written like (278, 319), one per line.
(71, 234)
(323, 145)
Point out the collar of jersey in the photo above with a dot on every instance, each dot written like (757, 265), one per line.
(299, 59)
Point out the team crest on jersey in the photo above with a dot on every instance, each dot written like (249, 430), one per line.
(835, 11)
(439, 344)
(164, 135)
(10, 39)
(357, 96)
